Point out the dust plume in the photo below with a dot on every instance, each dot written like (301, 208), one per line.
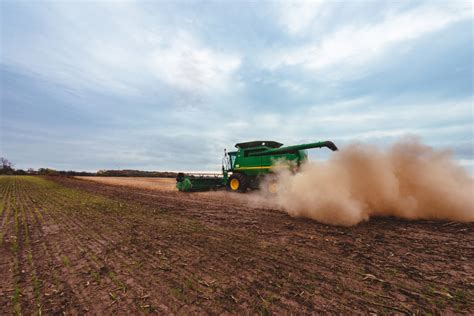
(408, 180)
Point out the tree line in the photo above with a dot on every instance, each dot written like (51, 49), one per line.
(7, 168)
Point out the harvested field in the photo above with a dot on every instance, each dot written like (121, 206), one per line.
(163, 184)
(77, 246)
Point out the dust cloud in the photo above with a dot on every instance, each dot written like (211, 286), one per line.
(408, 180)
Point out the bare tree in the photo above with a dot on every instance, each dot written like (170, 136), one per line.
(5, 166)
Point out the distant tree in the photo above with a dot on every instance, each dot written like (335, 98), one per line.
(5, 163)
(47, 172)
(135, 173)
(6, 167)
(20, 172)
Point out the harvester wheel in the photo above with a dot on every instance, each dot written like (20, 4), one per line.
(238, 182)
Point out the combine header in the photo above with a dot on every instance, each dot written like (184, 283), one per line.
(245, 168)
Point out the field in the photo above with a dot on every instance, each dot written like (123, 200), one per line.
(162, 184)
(77, 246)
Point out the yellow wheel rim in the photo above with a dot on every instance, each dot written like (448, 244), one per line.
(234, 184)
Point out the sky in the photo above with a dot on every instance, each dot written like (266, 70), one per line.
(158, 85)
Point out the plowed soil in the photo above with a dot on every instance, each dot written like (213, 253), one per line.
(75, 246)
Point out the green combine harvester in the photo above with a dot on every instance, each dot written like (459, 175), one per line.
(245, 168)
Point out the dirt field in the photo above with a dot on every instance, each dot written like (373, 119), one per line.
(162, 184)
(76, 246)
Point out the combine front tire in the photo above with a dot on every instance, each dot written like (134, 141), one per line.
(238, 183)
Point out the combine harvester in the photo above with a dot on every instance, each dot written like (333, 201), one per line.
(245, 168)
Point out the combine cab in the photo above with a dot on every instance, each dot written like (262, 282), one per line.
(244, 168)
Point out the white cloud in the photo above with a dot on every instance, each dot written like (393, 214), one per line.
(146, 61)
(126, 54)
(292, 86)
(355, 44)
(368, 120)
(297, 16)
(187, 64)
(372, 119)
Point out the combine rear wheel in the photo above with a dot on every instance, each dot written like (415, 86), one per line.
(238, 183)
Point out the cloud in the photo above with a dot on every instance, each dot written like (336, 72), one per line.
(149, 84)
(369, 120)
(297, 16)
(351, 45)
(117, 49)
(186, 64)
